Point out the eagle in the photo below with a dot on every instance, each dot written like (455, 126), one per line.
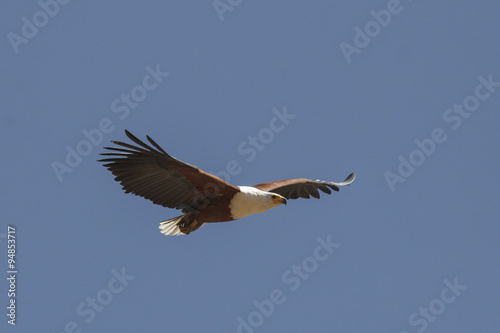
(149, 172)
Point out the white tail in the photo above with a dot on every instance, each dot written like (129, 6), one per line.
(170, 227)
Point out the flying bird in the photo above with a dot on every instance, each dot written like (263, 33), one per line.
(149, 172)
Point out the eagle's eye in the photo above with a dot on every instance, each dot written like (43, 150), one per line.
(273, 196)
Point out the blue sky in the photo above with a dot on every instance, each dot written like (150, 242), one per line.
(406, 94)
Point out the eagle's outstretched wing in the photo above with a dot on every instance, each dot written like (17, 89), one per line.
(302, 187)
(155, 175)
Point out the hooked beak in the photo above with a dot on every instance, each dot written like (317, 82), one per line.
(279, 200)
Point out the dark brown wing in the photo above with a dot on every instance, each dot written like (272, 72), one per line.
(303, 188)
(155, 175)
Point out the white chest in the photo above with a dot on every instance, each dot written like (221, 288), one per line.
(250, 201)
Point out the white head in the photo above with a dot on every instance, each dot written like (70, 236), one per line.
(251, 200)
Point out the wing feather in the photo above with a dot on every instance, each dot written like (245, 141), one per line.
(303, 188)
(151, 173)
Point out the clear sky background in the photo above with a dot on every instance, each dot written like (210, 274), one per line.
(403, 241)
